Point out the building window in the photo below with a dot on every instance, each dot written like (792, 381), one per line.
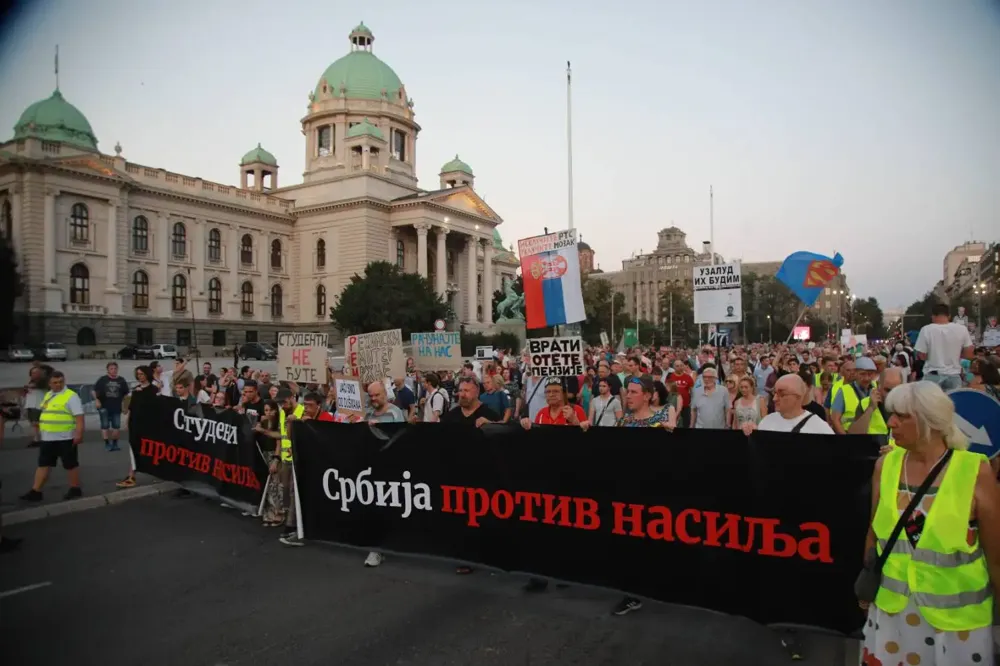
(246, 249)
(276, 254)
(215, 295)
(178, 240)
(321, 253)
(276, 302)
(79, 223)
(178, 293)
(479, 284)
(144, 336)
(400, 253)
(246, 299)
(450, 260)
(219, 337)
(320, 300)
(140, 235)
(215, 246)
(140, 291)
(79, 285)
(398, 145)
(324, 141)
(183, 337)
(8, 220)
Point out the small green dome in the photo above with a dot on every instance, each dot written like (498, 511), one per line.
(258, 154)
(497, 240)
(55, 119)
(457, 165)
(364, 128)
(360, 73)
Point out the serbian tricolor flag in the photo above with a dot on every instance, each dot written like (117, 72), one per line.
(550, 271)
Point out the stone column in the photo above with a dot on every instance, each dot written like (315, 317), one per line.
(15, 218)
(264, 313)
(366, 157)
(49, 234)
(422, 228)
(112, 246)
(391, 254)
(163, 231)
(442, 263)
(198, 274)
(488, 282)
(234, 269)
(470, 277)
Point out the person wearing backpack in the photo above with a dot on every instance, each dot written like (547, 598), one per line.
(436, 401)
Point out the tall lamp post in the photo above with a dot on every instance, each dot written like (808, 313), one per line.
(979, 290)
(194, 325)
(768, 329)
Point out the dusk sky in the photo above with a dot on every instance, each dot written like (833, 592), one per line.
(868, 128)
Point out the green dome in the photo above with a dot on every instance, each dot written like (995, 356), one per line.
(497, 240)
(258, 154)
(55, 119)
(456, 165)
(360, 73)
(363, 128)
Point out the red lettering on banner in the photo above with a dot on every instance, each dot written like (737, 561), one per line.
(816, 547)
(551, 511)
(636, 519)
(731, 527)
(477, 509)
(300, 357)
(586, 514)
(769, 538)
(200, 462)
(459, 499)
(508, 504)
(661, 528)
(217, 470)
(681, 526)
(529, 501)
(146, 447)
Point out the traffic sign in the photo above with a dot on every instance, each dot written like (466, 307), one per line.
(977, 415)
(439, 325)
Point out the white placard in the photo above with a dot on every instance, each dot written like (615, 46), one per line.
(484, 353)
(302, 357)
(555, 357)
(604, 338)
(718, 298)
(375, 356)
(349, 400)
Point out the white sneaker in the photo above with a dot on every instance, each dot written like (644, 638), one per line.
(374, 559)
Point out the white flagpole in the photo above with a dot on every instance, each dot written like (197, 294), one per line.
(569, 139)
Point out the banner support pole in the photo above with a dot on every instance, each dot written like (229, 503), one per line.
(802, 312)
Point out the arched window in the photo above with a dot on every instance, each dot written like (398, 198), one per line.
(246, 249)
(215, 295)
(276, 306)
(178, 293)
(79, 285)
(7, 219)
(400, 253)
(178, 240)
(276, 254)
(140, 291)
(320, 300)
(246, 298)
(85, 337)
(321, 253)
(79, 223)
(214, 246)
(140, 235)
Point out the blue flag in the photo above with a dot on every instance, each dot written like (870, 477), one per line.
(807, 273)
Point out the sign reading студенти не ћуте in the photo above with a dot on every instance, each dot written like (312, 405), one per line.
(555, 357)
(302, 357)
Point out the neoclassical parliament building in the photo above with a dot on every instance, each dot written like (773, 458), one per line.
(115, 252)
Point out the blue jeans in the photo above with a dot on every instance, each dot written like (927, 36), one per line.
(111, 419)
(946, 382)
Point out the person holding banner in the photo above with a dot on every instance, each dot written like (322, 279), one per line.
(290, 411)
(268, 432)
(380, 410)
(557, 411)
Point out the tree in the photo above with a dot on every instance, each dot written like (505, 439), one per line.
(676, 305)
(10, 277)
(597, 303)
(386, 298)
(919, 313)
(866, 317)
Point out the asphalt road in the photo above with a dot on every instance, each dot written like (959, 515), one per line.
(166, 581)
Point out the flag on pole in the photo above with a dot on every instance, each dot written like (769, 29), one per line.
(806, 274)
(550, 271)
(57, 66)
(568, 72)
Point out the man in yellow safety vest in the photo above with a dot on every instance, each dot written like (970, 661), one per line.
(60, 427)
(846, 404)
(873, 419)
(289, 410)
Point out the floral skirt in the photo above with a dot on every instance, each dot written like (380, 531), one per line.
(906, 639)
(274, 507)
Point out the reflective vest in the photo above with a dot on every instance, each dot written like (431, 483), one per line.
(877, 424)
(286, 442)
(945, 576)
(816, 378)
(852, 406)
(56, 417)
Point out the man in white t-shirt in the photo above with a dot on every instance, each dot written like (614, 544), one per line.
(436, 401)
(942, 345)
(790, 416)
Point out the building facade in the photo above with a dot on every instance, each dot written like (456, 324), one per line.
(112, 251)
(954, 258)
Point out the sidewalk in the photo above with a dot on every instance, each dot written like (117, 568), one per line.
(99, 470)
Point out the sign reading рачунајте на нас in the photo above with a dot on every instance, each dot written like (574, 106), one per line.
(440, 350)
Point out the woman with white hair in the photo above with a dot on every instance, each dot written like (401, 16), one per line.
(934, 601)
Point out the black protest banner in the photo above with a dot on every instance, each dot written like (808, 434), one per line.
(176, 442)
(770, 527)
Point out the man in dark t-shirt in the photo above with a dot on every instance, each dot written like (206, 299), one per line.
(469, 409)
(109, 394)
(251, 404)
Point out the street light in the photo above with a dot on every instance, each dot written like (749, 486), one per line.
(979, 290)
(768, 329)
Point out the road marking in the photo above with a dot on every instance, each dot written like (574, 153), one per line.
(26, 588)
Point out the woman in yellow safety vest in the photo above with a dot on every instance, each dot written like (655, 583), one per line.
(935, 602)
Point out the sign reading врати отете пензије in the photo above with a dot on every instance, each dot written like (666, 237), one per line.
(555, 357)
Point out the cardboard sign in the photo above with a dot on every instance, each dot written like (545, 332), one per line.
(374, 356)
(556, 357)
(350, 396)
(484, 353)
(302, 357)
(441, 350)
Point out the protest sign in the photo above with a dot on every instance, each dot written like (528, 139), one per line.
(440, 350)
(350, 400)
(374, 356)
(555, 357)
(484, 353)
(302, 357)
(717, 294)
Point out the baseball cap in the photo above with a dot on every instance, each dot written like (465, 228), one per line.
(865, 363)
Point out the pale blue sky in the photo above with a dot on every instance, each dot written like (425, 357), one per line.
(869, 128)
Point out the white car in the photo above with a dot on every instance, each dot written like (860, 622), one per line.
(52, 351)
(164, 351)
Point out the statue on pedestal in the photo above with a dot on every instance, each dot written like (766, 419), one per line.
(511, 308)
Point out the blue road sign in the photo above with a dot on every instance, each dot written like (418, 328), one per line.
(978, 417)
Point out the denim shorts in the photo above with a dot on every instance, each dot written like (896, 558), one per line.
(110, 419)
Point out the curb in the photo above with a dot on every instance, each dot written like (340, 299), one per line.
(85, 503)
